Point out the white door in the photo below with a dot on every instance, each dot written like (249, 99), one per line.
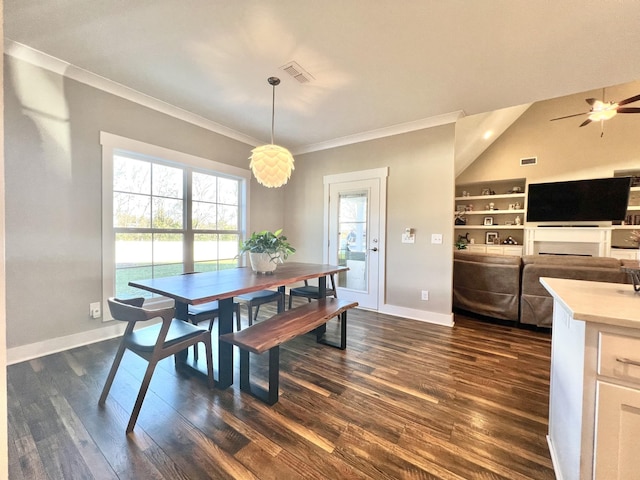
(355, 227)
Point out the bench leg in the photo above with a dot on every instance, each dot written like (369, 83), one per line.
(269, 396)
(343, 334)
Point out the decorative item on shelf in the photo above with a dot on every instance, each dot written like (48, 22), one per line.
(462, 241)
(516, 206)
(512, 206)
(485, 191)
(515, 189)
(518, 220)
(460, 208)
(488, 221)
(460, 219)
(465, 193)
(271, 164)
(491, 238)
(508, 222)
(510, 241)
(469, 208)
(492, 206)
(266, 249)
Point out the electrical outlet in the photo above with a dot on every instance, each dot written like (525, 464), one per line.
(436, 238)
(425, 295)
(94, 310)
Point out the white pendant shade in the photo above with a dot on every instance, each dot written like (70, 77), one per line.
(271, 165)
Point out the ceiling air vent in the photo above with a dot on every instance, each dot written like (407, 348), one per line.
(297, 72)
(528, 161)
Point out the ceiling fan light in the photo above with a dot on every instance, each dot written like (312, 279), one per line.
(271, 165)
(597, 115)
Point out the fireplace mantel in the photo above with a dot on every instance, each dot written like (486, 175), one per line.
(594, 241)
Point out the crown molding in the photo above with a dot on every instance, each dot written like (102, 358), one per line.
(398, 129)
(65, 69)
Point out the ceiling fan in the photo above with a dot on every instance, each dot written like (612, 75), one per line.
(601, 110)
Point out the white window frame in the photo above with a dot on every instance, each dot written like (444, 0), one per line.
(114, 144)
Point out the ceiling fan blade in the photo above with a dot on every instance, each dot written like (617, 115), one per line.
(629, 110)
(635, 98)
(586, 122)
(569, 116)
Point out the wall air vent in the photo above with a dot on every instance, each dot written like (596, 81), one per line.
(528, 161)
(297, 72)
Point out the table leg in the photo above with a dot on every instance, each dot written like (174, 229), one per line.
(225, 350)
(322, 293)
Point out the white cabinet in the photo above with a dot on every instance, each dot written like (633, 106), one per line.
(594, 399)
(617, 427)
(626, 253)
(495, 249)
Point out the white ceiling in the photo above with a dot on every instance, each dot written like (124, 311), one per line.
(379, 66)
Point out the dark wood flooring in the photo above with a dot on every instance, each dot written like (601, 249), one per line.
(406, 400)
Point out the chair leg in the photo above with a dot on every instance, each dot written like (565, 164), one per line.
(237, 310)
(112, 373)
(290, 300)
(249, 313)
(141, 394)
(209, 351)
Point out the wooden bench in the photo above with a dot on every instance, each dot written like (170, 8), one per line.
(269, 334)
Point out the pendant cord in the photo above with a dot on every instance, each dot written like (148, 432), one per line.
(273, 109)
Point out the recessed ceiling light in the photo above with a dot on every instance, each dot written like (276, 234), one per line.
(487, 135)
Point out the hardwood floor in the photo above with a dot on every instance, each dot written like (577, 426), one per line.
(406, 400)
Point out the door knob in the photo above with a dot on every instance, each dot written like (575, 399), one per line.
(374, 249)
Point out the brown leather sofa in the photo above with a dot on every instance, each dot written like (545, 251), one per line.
(536, 304)
(487, 284)
(509, 288)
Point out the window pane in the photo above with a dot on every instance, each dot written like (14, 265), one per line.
(227, 191)
(167, 254)
(203, 216)
(215, 252)
(131, 211)
(133, 176)
(167, 213)
(167, 181)
(227, 217)
(133, 262)
(228, 247)
(204, 187)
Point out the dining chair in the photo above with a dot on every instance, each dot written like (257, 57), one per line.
(207, 311)
(311, 292)
(255, 299)
(153, 343)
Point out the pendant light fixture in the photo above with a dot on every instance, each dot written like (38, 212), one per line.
(271, 164)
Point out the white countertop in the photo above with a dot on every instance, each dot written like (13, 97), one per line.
(600, 302)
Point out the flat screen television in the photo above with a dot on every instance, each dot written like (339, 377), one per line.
(595, 200)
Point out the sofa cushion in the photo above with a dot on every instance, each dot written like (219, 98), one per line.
(486, 258)
(572, 260)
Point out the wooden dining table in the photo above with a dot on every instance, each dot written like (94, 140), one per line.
(223, 286)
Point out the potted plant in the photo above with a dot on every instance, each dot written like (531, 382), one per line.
(266, 249)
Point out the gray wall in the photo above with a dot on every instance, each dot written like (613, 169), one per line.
(53, 199)
(53, 194)
(565, 151)
(420, 193)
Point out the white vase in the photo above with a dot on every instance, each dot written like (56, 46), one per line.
(263, 262)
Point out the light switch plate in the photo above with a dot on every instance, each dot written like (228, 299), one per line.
(436, 238)
(408, 238)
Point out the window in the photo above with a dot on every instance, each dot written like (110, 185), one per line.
(166, 213)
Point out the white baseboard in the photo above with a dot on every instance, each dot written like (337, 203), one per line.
(54, 345)
(554, 459)
(421, 315)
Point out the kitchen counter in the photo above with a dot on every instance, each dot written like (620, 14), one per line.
(594, 398)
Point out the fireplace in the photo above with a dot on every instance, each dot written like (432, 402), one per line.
(588, 241)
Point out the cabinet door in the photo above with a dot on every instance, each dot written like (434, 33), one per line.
(617, 451)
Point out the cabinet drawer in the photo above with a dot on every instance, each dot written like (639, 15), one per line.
(619, 357)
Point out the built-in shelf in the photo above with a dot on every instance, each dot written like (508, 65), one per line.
(489, 227)
(489, 197)
(495, 212)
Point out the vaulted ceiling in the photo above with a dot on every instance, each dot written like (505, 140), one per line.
(375, 67)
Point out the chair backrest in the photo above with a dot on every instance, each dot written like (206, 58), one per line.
(130, 310)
